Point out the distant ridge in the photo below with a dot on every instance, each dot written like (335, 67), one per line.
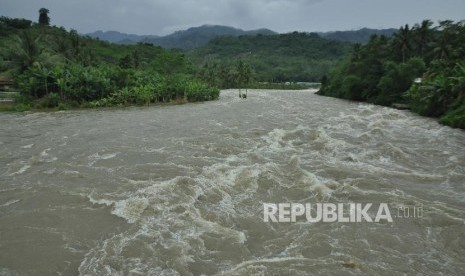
(361, 36)
(196, 37)
(186, 39)
(120, 38)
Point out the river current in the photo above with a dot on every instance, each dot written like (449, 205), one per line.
(179, 190)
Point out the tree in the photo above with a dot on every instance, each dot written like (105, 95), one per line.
(42, 73)
(75, 43)
(17, 23)
(402, 39)
(244, 77)
(25, 51)
(423, 34)
(43, 17)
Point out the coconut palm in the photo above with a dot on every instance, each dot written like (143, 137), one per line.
(24, 51)
(244, 77)
(402, 41)
(422, 36)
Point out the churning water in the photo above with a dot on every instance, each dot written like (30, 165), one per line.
(179, 190)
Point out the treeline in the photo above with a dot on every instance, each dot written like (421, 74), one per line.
(235, 75)
(292, 57)
(422, 66)
(241, 75)
(53, 67)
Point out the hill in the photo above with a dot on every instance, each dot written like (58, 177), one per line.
(275, 58)
(199, 36)
(119, 38)
(361, 36)
(186, 39)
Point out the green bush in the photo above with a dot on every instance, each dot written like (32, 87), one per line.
(22, 107)
(352, 88)
(52, 100)
(455, 117)
(197, 91)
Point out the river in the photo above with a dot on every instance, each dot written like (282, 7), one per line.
(179, 190)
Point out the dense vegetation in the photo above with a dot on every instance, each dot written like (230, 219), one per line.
(56, 68)
(422, 66)
(361, 36)
(293, 57)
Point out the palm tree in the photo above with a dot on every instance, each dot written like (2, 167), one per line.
(25, 51)
(61, 76)
(244, 76)
(42, 73)
(43, 17)
(458, 81)
(423, 34)
(442, 45)
(402, 39)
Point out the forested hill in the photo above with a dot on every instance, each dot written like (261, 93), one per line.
(361, 36)
(118, 37)
(199, 36)
(186, 39)
(275, 58)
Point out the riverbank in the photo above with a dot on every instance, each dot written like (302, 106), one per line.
(42, 105)
(85, 106)
(145, 96)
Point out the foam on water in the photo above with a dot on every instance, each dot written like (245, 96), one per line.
(131, 209)
(27, 146)
(22, 170)
(13, 201)
(94, 158)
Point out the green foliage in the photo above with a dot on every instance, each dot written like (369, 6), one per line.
(53, 99)
(455, 117)
(351, 88)
(22, 107)
(439, 94)
(197, 91)
(383, 71)
(289, 57)
(43, 17)
(14, 23)
(54, 68)
(223, 75)
(397, 79)
(140, 95)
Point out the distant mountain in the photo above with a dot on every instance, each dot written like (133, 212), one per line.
(361, 36)
(120, 38)
(196, 37)
(199, 36)
(187, 39)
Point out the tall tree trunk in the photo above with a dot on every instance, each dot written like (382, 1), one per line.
(46, 87)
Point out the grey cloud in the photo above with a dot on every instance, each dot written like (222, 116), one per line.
(164, 16)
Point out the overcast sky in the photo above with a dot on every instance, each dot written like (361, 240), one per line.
(162, 17)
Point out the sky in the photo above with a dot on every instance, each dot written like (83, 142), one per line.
(161, 17)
